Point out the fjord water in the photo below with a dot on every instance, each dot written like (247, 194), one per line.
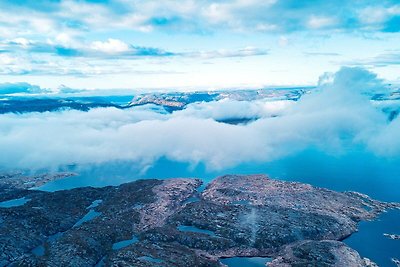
(14, 202)
(355, 170)
(370, 241)
(351, 171)
(245, 261)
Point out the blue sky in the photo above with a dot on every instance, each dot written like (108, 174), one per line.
(194, 44)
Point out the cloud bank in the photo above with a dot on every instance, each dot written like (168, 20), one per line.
(335, 118)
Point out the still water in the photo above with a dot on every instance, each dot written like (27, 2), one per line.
(14, 202)
(245, 261)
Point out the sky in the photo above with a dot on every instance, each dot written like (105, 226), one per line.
(95, 44)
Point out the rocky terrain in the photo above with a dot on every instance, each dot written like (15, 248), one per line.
(392, 236)
(179, 100)
(171, 101)
(319, 253)
(172, 223)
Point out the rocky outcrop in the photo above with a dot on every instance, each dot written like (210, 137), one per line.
(170, 223)
(396, 261)
(319, 253)
(392, 236)
(170, 195)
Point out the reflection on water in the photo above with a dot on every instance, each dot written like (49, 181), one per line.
(245, 261)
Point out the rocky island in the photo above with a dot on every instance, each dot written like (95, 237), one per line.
(173, 223)
(392, 236)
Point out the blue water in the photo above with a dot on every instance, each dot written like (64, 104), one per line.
(101, 262)
(125, 243)
(372, 233)
(150, 259)
(14, 202)
(245, 261)
(357, 171)
(113, 173)
(193, 229)
(54, 237)
(241, 202)
(95, 204)
(38, 251)
(89, 216)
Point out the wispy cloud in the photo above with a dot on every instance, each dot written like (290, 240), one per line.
(381, 60)
(224, 53)
(60, 56)
(109, 48)
(332, 54)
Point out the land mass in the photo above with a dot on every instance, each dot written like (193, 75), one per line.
(173, 223)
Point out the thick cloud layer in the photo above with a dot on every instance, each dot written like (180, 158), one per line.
(335, 118)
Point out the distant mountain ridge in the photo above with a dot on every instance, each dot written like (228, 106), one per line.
(171, 101)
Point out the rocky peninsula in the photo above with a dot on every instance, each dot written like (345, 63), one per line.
(173, 223)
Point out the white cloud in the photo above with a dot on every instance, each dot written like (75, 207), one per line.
(318, 22)
(265, 27)
(7, 59)
(378, 14)
(110, 46)
(223, 53)
(22, 41)
(227, 109)
(335, 118)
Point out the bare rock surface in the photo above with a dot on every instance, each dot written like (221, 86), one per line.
(169, 223)
(396, 262)
(392, 236)
(319, 253)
